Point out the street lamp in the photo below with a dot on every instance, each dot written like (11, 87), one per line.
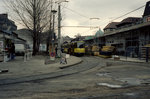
(59, 27)
(54, 12)
(94, 18)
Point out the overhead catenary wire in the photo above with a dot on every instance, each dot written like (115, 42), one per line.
(89, 18)
(112, 19)
(77, 13)
(81, 16)
(81, 26)
(127, 13)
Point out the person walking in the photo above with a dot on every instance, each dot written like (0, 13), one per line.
(12, 51)
(56, 51)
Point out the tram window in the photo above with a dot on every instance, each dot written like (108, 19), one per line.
(80, 45)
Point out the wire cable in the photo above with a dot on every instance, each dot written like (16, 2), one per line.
(77, 12)
(128, 13)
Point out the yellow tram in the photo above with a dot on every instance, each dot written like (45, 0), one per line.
(78, 48)
(75, 48)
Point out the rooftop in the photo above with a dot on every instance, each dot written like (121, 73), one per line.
(112, 25)
(129, 20)
(128, 28)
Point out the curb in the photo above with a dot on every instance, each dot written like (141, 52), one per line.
(138, 62)
(62, 67)
(37, 77)
(120, 59)
(128, 61)
(132, 61)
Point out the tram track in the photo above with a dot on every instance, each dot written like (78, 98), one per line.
(86, 65)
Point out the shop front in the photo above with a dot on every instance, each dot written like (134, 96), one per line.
(7, 41)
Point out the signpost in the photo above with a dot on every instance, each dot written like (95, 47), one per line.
(52, 56)
(52, 53)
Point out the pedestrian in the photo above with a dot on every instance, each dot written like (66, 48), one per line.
(12, 51)
(56, 51)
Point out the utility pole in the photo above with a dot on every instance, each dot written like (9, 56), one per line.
(53, 39)
(59, 28)
(53, 11)
(59, 31)
(49, 39)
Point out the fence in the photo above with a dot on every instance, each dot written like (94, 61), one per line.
(142, 53)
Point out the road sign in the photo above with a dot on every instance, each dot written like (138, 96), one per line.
(52, 54)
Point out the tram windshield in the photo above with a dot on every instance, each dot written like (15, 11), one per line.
(80, 44)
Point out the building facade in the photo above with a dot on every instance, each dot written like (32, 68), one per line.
(129, 35)
(7, 24)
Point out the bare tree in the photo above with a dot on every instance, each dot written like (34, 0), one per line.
(34, 14)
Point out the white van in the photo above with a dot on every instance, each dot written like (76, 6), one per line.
(19, 49)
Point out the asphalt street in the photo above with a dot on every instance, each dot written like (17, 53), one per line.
(84, 81)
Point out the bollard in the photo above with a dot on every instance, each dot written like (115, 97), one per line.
(25, 57)
(5, 58)
(31, 54)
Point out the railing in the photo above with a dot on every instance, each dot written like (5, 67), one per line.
(142, 53)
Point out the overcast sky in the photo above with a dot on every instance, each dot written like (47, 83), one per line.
(106, 10)
(83, 10)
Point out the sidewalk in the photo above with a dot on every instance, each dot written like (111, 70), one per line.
(129, 59)
(35, 66)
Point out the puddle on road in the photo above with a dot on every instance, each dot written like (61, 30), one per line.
(127, 82)
(145, 81)
(135, 81)
(110, 85)
(130, 81)
(130, 94)
(103, 74)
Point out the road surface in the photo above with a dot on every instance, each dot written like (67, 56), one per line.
(94, 78)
